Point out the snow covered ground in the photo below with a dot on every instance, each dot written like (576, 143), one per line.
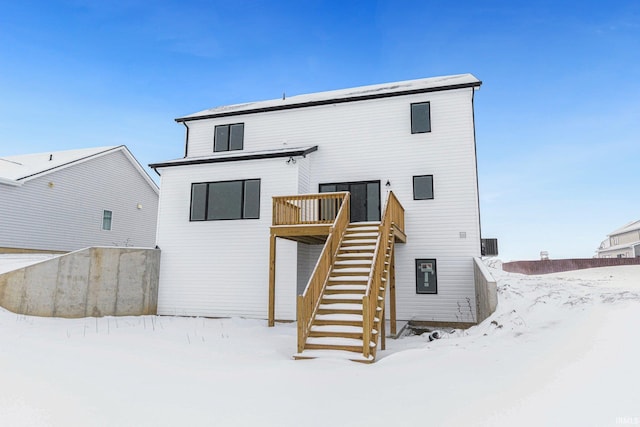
(561, 349)
(10, 262)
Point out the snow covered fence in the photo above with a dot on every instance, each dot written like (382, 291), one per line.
(558, 265)
(99, 281)
(486, 290)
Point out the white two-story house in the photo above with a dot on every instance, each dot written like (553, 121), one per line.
(251, 220)
(622, 243)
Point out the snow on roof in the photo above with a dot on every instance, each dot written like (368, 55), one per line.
(632, 226)
(379, 90)
(20, 167)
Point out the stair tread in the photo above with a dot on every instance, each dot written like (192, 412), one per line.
(356, 297)
(348, 278)
(333, 354)
(341, 306)
(346, 287)
(354, 270)
(357, 234)
(340, 316)
(358, 248)
(353, 262)
(336, 328)
(343, 317)
(337, 341)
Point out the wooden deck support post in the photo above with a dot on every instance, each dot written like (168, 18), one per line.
(272, 280)
(392, 292)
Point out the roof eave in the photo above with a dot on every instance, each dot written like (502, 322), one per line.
(329, 101)
(257, 156)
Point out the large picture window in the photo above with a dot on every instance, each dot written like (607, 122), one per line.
(228, 137)
(212, 201)
(420, 117)
(426, 276)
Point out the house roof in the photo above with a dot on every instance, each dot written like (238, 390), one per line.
(632, 226)
(15, 170)
(385, 90)
(234, 156)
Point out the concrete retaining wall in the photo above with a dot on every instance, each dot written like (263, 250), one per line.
(486, 290)
(90, 282)
(557, 265)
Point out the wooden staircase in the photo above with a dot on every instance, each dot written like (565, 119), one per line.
(341, 311)
(337, 329)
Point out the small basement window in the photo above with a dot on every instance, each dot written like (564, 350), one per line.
(423, 187)
(106, 220)
(421, 117)
(426, 276)
(228, 137)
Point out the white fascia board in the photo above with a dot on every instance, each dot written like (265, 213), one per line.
(11, 182)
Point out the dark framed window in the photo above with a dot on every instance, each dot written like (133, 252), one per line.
(421, 117)
(212, 201)
(228, 137)
(426, 276)
(423, 187)
(107, 217)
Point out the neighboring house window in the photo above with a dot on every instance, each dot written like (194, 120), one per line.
(420, 117)
(212, 201)
(228, 137)
(423, 187)
(426, 276)
(107, 216)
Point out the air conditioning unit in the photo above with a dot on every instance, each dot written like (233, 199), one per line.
(489, 247)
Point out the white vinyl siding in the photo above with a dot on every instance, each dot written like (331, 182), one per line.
(372, 141)
(63, 210)
(221, 268)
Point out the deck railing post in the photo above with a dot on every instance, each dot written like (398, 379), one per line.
(301, 323)
(366, 327)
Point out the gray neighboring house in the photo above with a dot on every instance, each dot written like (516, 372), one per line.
(622, 243)
(68, 200)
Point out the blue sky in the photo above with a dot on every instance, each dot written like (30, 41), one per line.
(557, 117)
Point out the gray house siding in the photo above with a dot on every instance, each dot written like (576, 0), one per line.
(62, 210)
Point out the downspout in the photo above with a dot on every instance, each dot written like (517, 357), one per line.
(186, 141)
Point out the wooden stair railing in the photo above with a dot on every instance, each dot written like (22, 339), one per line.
(373, 301)
(309, 301)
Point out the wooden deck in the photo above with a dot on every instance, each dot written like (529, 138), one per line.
(312, 234)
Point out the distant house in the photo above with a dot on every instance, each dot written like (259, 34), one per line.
(622, 243)
(313, 207)
(68, 200)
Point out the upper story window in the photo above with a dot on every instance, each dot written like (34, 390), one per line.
(212, 201)
(423, 187)
(228, 137)
(421, 117)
